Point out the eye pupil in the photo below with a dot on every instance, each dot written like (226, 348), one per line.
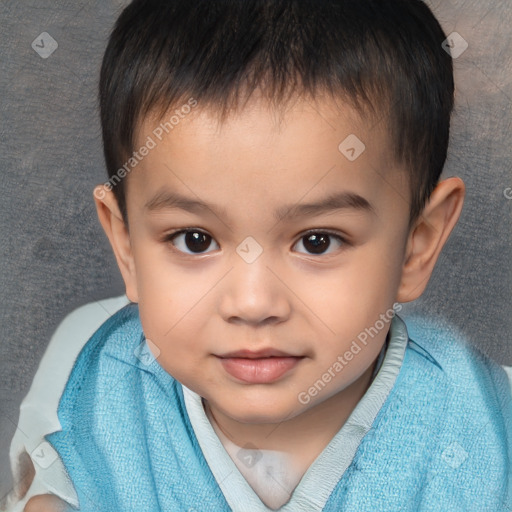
(319, 243)
(197, 241)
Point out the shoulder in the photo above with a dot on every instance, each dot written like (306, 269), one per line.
(108, 366)
(65, 345)
(116, 411)
(473, 417)
(451, 408)
(462, 362)
(39, 409)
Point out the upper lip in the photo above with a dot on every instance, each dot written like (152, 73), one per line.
(256, 354)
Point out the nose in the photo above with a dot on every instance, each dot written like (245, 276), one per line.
(254, 293)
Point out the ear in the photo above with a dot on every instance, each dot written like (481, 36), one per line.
(428, 236)
(117, 232)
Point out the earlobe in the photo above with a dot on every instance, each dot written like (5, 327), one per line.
(116, 230)
(428, 236)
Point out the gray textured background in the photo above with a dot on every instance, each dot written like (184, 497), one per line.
(54, 256)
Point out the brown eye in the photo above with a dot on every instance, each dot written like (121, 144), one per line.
(191, 240)
(319, 241)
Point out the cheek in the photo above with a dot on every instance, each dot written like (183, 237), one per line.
(163, 289)
(352, 299)
(380, 264)
(174, 305)
(176, 335)
(162, 293)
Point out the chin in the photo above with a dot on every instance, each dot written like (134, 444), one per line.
(261, 419)
(260, 414)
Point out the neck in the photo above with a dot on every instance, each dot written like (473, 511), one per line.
(311, 430)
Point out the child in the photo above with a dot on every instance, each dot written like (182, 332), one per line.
(298, 145)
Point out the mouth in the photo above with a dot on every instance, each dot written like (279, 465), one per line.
(258, 367)
(256, 354)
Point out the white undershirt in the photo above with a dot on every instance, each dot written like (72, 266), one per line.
(273, 478)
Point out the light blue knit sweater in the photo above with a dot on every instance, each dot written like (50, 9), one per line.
(442, 441)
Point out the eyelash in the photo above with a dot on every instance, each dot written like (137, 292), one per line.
(171, 236)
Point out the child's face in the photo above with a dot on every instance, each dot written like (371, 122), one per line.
(250, 276)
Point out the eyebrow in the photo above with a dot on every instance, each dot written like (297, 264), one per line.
(167, 200)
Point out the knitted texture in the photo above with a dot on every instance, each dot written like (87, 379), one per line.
(441, 441)
(443, 438)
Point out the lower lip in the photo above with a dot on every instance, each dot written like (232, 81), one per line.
(259, 371)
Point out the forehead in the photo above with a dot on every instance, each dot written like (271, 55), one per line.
(260, 155)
